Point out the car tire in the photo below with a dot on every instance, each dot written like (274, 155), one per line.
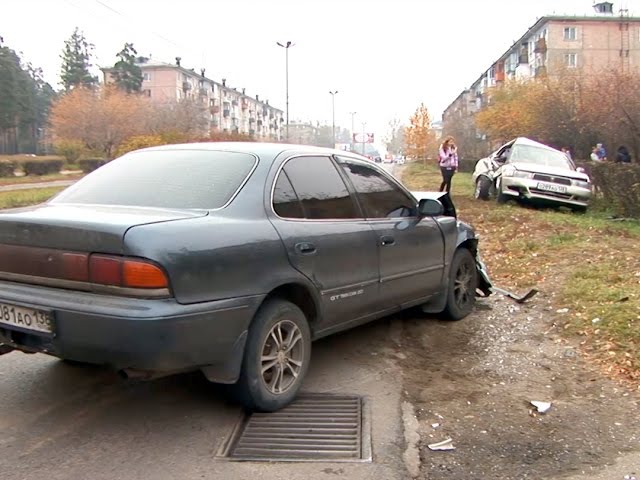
(579, 209)
(483, 188)
(463, 281)
(276, 357)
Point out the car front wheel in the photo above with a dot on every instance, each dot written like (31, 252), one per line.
(483, 188)
(463, 280)
(276, 358)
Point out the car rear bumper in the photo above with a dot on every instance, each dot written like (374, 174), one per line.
(126, 333)
(529, 189)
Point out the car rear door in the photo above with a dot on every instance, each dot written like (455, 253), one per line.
(326, 236)
(410, 248)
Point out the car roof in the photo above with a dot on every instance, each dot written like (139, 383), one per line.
(257, 148)
(532, 143)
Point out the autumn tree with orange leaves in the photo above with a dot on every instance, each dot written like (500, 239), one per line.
(570, 109)
(420, 139)
(100, 118)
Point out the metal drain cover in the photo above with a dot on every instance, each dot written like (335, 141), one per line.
(314, 428)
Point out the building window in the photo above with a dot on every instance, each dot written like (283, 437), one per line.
(146, 76)
(571, 60)
(570, 33)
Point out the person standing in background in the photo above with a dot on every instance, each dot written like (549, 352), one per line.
(448, 162)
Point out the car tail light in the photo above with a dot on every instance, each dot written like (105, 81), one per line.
(137, 274)
(126, 272)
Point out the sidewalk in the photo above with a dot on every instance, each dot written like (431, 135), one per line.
(27, 186)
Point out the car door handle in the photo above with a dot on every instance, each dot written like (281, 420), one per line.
(387, 240)
(306, 248)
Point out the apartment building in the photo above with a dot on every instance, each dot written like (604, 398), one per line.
(603, 40)
(229, 110)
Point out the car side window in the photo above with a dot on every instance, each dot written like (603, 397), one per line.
(380, 196)
(285, 201)
(320, 188)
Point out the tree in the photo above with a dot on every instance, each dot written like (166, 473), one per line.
(395, 137)
(186, 117)
(24, 103)
(420, 139)
(76, 62)
(101, 119)
(127, 75)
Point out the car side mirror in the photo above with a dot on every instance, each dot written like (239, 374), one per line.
(429, 207)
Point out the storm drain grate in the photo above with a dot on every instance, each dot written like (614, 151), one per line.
(315, 427)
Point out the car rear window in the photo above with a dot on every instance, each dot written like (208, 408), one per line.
(195, 179)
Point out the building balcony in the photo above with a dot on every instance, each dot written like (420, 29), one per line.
(259, 123)
(252, 132)
(523, 58)
(540, 46)
(226, 112)
(186, 86)
(252, 120)
(499, 76)
(234, 103)
(245, 104)
(215, 109)
(204, 92)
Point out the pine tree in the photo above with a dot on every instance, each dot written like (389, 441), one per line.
(126, 73)
(76, 62)
(24, 103)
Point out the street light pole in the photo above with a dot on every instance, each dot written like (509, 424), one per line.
(353, 129)
(286, 47)
(364, 125)
(333, 114)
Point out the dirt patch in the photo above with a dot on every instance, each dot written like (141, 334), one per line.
(472, 381)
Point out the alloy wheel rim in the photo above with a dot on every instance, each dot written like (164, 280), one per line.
(282, 357)
(462, 288)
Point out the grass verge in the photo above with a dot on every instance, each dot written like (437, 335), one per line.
(591, 262)
(37, 178)
(22, 198)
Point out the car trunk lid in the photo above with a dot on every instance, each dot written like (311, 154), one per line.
(84, 228)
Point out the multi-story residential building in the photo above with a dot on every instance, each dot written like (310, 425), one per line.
(604, 40)
(229, 110)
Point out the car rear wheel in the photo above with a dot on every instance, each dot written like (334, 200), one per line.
(463, 280)
(276, 357)
(483, 187)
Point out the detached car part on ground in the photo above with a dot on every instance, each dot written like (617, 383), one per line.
(229, 259)
(530, 171)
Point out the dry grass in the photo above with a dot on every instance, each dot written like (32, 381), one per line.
(591, 262)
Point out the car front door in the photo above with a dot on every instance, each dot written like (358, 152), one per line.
(326, 237)
(410, 248)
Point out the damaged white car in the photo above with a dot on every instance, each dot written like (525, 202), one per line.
(531, 171)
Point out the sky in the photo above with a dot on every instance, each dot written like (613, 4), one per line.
(384, 57)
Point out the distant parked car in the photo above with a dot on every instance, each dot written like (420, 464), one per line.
(229, 259)
(528, 170)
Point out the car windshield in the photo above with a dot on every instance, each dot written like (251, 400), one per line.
(192, 179)
(539, 156)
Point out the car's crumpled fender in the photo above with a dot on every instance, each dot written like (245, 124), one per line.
(468, 237)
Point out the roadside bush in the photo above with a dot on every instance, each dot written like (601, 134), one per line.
(42, 167)
(619, 186)
(139, 141)
(7, 168)
(88, 165)
(71, 150)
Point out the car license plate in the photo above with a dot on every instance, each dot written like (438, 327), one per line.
(549, 187)
(26, 318)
